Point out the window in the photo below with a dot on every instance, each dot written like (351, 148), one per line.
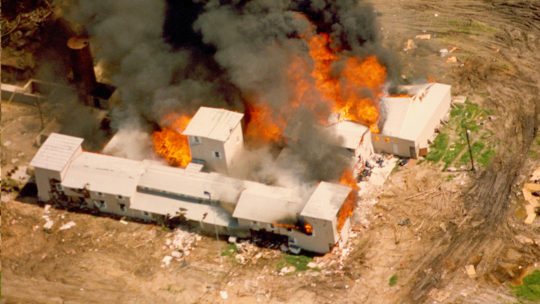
(59, 187)
(196, 140)
(100, 194)
(217, 154)
(121, 197)
(146, 213)
(123, 207)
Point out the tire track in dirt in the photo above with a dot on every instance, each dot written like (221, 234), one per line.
(515, 97)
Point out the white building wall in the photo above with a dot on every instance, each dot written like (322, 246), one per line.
(217, 155)
(211, 151)
(433, 122)
(381, 144)
(234, 145)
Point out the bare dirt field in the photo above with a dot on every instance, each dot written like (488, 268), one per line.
(412, 246)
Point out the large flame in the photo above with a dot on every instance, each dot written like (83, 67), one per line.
(347, 208)
(263, 126)
(355, 92)
(352, 91)
(169, 141)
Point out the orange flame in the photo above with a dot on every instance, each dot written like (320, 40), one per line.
(262, 125)
(170, 143)
(347, 208)
(348, 92)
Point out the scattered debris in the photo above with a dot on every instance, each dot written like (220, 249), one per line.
(471, 271)
(68, 225)
(7, 143)
(459, 99)
(410, 45)
(223, 294)
(286, 270)
(423, 36)
(443, 52)
(452, 59)
(404, 222)
(166, 260)
(123, 222)
(531, 193)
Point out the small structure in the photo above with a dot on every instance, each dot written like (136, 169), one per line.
(355, 137)
(411, 121)
(215, 137)
(149, 191)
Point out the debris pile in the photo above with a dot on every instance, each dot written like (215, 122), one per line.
(182, 243)
(531, 193)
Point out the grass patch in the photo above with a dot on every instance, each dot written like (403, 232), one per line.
(438, 148)
(299, 262)
(476, 148)
(486, 157)
(231, 250)
(530, 289)
(450, 145)
(450, 177)
(451, 154)
(393, 280)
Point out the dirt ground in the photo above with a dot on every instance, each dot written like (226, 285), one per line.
(424, 229)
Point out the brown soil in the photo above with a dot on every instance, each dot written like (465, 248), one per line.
(470, 219)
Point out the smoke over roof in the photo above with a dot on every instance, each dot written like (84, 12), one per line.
(174, 57)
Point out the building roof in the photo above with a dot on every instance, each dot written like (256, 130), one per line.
(104, 173)
(56, 152)
(171, 206)
(268, 204)
(407, 116)
(191, 183)
(326, 201)
(350, 132)
(213, 123)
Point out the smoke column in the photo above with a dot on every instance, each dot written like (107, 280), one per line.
(179, 55)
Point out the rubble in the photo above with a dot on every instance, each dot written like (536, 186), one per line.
(471, 271)
(223, 294)
(68, 225)
(423, 36)
(452, 59)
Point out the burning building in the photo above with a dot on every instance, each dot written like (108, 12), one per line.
(150, 191)
(411, 120)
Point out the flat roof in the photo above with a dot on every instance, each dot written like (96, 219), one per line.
(191, 183)
(268, 204)
(326, 201)
(56, 152)
(170, 206)
(350, 132)
(407, 116)
(213, 123)
(104, 173)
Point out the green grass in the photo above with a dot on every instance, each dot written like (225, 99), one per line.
(393, 280)
(453, 151)
(476, 148)
(450, 146)
(530, 289)
(231, 250)
(299, 262)
(485, 157)
(450, 177)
